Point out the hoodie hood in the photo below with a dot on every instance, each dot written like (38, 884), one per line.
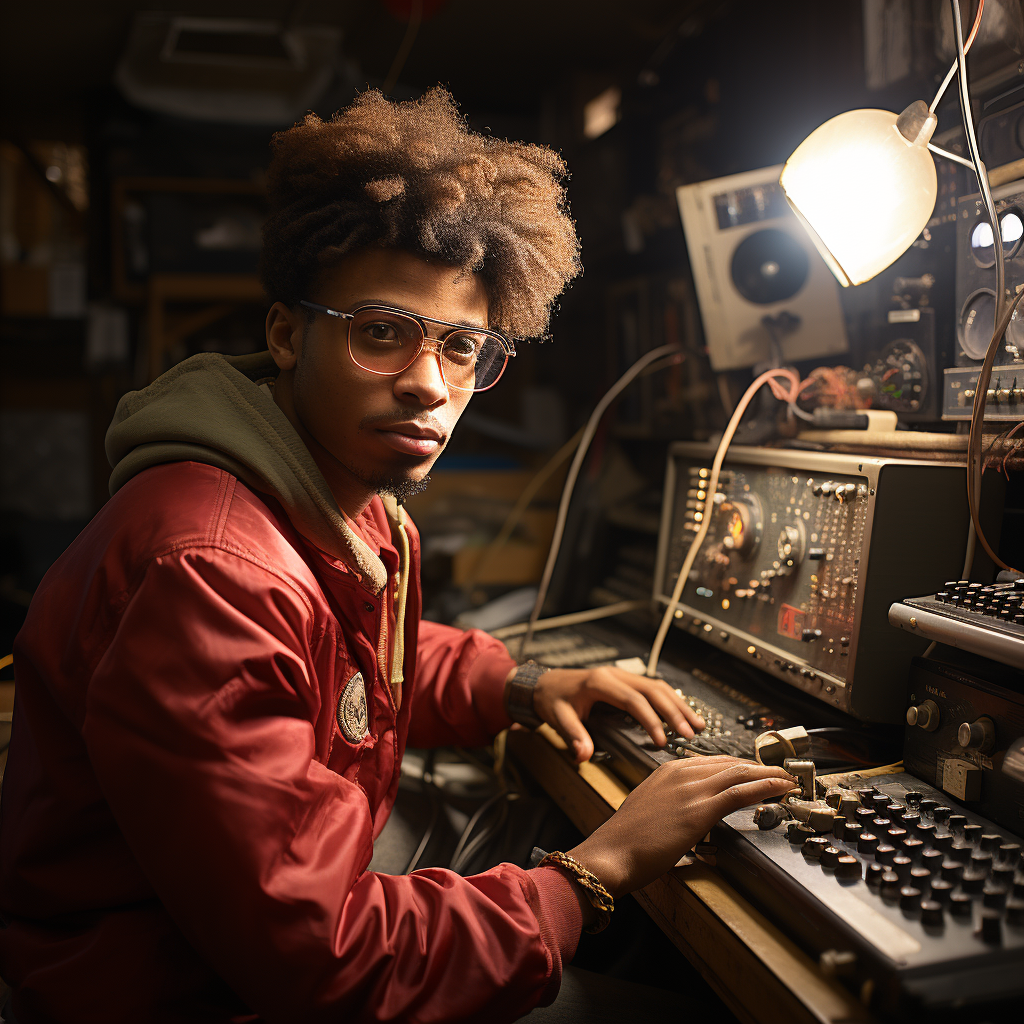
(212, 409)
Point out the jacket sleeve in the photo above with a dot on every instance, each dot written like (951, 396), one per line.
(460, 687)
(199, 725)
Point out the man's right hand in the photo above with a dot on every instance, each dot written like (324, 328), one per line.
(669, 812)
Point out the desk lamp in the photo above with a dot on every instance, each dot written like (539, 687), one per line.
(864, 187)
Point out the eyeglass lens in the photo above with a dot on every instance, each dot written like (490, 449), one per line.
(386, 342)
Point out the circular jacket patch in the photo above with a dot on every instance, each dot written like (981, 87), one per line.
(353, 719)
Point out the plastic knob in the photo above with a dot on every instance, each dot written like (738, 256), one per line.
(991, 842)
(981, 861)
(874, 872)
(928, 805)
(879, 800)
(943, 842)
(866, 795)
(941, 890)
(880, 825)
(896, 836)
(838, 824)
(994, 896)
(910, 898)
(798, 833)
(902, 864)
(972, 833)
(956, 822)
(848, 868)
(891, 885)
(911, 820)
(931, 914)
(991, 927)
(867, 842)
(1015, 913)
(919, 877)
(1002, 874)
(952, 871)
(830, 856)
(960, 904)
(1018, 889)
(1009, 853)
(961, 851)
(925, 830)
(812, 847)
(972, 881)
(851, 830)
(895, 812)
(979, 735)
(924, 715)
(941, 814)
(864, 815)
(884, 853)
(913, 848)
(932, 859)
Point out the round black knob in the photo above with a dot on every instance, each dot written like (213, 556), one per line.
(991, 927)
(956, 822)
(830, 856)
(932, 859)
(1009, 853)
(1015, 912)
(894, 812)
(972, 881)
(941, 890)
(884, 853)
(993, 896)
(960, 904)
(911, 820)
(848, 868)
(1002, 874)
(873, 873)
(851, 830)
(838, 824)
(867, 842)
(925, 831)
(910, 898)
(952, 871)
(972, 833)
(864, 815)
(879, 800)
(913, 848)
(866, 794)
(943, 842)
(812, 847)
(1018, 889)
(961, 851)
(931, 914)
(798, 832)
(891, 885)
(991, 842)
(896, 836)
(981, 861)
(913, 799)
(880, 825)
(928, 805)
(941, 814)
(919, 877)
(902, 864)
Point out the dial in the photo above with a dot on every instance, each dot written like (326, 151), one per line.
(791, 546)
(900, 376)
(739, 523)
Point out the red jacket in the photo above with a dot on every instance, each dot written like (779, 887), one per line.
(185, 826)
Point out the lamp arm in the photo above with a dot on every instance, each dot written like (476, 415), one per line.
(951, 156)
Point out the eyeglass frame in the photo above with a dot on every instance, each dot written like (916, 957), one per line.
(438, 343)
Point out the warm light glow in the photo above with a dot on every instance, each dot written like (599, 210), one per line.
(863, 191)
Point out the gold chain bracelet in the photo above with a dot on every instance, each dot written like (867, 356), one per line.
(600, 898)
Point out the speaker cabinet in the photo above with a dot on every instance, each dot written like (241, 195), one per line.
(752, 259)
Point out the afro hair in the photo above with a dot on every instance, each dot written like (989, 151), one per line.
(412, 175)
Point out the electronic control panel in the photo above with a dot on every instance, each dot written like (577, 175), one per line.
(804, 554)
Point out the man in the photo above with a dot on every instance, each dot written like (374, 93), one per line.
(217, 680)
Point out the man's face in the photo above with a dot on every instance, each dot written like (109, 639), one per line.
(385, 432)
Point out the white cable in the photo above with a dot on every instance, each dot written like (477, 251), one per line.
(711, 490)
(574, 470)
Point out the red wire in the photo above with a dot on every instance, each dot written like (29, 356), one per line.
(974, 29)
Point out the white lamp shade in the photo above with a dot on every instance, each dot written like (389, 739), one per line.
(863, 191)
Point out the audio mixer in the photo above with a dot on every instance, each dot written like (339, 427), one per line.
(804, 554)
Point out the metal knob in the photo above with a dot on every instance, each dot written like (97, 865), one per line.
(979, 735)
(925, 716)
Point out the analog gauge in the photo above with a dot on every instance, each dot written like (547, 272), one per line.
(900, 376)
(977, 322)
(739, 525)
(792, 539)
(1011, 228)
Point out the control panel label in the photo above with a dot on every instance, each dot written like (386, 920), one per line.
(791, 622)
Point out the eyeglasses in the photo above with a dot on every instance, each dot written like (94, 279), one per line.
(386, 341)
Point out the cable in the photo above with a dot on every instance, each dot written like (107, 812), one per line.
(574, 470)
(956, 63)
(572, 619)
(768, 377)
(472, 824)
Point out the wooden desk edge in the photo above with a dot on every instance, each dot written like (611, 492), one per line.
(758, 972)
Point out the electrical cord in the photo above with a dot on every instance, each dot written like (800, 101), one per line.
(953, 70)
(574, 470)
(769, 377)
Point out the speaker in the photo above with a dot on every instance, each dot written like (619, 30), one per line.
(752, 259)
(975, 275)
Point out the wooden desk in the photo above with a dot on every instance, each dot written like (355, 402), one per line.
(759, 973)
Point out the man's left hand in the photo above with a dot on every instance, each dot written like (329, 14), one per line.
(563, 698)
